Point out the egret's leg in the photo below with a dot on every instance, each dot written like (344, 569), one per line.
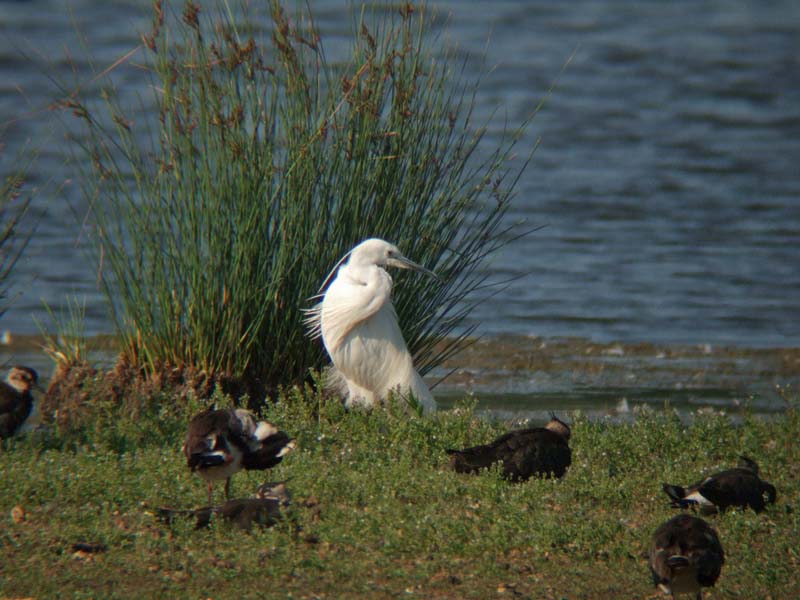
(227, 489)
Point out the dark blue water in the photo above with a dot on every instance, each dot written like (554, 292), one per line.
(667, 175)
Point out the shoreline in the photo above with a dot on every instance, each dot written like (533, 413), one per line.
(524, 378)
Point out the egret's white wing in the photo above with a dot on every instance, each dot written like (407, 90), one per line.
(313, 320)
(349, 302)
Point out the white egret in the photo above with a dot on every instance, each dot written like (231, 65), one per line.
(358, 326)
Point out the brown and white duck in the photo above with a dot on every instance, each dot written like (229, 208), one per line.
(220, 443)
(16, 400)
(685, 555)
(523, 453)
(740, 487)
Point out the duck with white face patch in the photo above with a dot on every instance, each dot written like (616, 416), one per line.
(220, 443)
(741, 487)
(16, 399)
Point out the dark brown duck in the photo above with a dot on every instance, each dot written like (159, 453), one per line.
(685, 556)
(16, 400)
(741, 487)
(523, 453)
(242, 512)
(265, 510)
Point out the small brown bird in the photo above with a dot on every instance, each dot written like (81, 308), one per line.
(220, 443)
(740, 487)
(16, 400)
(523, 453)
(685, 555)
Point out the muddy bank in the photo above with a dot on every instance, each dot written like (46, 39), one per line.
(525, 377)
(529, 375)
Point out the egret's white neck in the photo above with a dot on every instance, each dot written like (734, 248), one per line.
(366, 272)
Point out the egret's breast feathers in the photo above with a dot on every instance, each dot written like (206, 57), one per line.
(373, 353)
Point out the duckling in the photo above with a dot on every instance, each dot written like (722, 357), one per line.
(16, 400)
(220, 443)
(523, 453)
(734, 487)
(685, 555)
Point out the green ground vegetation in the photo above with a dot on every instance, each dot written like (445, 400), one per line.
(376, 512)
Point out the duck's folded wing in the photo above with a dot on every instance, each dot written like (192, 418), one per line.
(471, 460)
(270, 453)
(736, 487)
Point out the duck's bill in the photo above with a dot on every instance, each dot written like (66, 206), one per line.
(405, 263)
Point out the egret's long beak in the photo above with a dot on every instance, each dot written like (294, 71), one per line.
(401, 262)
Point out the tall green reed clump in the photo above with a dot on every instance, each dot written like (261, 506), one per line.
(270, 163)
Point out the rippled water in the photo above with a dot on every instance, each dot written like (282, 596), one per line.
(668, 175)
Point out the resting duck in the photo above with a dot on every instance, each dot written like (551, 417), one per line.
(243, 512)
(266, 509)
(685, 555)
(735, 487)
(220, 443)
(16, 400)
(523, 453)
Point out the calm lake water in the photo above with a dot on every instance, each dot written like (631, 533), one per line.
(668, 175)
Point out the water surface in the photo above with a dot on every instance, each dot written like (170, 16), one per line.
(667, 173)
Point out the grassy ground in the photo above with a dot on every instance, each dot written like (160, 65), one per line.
(377, 514)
